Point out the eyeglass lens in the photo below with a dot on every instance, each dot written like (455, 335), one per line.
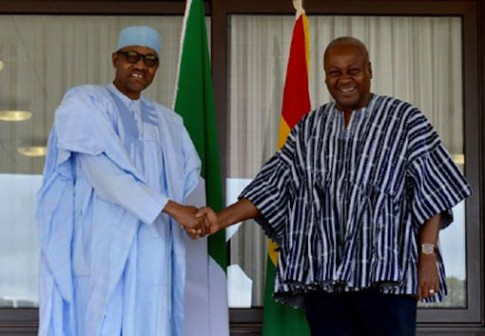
(133, 57)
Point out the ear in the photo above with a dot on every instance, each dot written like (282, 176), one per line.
(369, 68)
(114, 59)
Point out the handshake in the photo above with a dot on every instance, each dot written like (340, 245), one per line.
(205, 221)
(196, 222)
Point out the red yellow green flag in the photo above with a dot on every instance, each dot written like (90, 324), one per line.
(279, 319)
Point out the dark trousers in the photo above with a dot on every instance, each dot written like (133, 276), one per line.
(366, 312)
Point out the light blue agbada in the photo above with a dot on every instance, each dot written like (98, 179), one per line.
(110, 263)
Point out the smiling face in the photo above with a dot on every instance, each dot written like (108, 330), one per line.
(132, 78)
(348, 73)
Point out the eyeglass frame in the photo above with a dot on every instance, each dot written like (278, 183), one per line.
(140, 56)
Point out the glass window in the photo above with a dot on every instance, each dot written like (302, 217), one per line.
(417, 59)
(40, 58)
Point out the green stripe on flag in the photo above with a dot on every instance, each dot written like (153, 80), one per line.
(281, 320)
(195, 103)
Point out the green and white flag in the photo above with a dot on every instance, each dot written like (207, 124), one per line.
(206, 307)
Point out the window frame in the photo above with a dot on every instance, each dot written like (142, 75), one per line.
(463, 321)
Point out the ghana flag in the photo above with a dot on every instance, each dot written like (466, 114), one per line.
(281, 320)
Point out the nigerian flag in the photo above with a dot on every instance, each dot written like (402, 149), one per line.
(206, 308)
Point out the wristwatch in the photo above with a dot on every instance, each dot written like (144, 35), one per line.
(428, 249)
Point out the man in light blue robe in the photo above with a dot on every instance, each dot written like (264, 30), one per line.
(110, 211)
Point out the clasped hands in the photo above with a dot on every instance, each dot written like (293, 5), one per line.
(197, 222)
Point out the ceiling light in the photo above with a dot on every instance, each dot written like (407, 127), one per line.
(15, 115)
(33, 151)
(458, 159)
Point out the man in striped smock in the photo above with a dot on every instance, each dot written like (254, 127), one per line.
(355, 200)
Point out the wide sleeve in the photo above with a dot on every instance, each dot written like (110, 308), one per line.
(271, 191)
(434, 182)
(119, 187)
(115, 185)
(182, 164)
(85, 127)
(191, 164)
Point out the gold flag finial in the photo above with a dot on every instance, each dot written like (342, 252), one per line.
(298, 4)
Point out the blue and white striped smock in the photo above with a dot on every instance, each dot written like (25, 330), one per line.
(345, 205)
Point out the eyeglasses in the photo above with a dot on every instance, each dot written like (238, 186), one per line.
(133, 57)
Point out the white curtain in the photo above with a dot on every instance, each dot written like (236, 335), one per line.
(417, 59)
